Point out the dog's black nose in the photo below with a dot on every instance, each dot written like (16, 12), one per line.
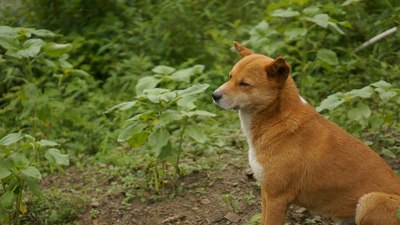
(217, 96)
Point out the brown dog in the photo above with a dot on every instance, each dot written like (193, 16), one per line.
(300, 157)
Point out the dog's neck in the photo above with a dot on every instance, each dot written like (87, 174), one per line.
(279, 114)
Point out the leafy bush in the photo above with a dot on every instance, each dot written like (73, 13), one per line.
(162, 119)
(19, 171)
(371, 110)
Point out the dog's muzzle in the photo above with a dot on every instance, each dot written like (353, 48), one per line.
(217, 95)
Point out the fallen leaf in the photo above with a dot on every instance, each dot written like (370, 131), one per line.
(232, 217)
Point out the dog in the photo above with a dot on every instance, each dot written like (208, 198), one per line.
(298, 156)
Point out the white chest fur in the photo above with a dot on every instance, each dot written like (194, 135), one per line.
(256, 167)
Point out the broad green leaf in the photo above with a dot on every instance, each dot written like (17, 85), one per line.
(327, 56)
(364, 92)
(187, 102)
(389, 153)
(158, 139)
(349, 2)
(193, 90)
(336, 27)
(7, 201)
(164, 70)
(32, 172)
(4, 172)
(196, 133)
(198, 113)
(168, 117)
(295, 33)
(156, 94)
(43, 33)
(122, 106)
(129, 130)
(30, 48)
(33, 186)
(11, 138)
(381, 84)
(386, 94)
(184, 75)
(360, 113)
(56, 50)
(44, 143)
(320, 19)
(145, 83)
(19, 160)
(331, 102)
(166, 151)
(138, 139)
(55, 156)
(284, 13)
(9, 43)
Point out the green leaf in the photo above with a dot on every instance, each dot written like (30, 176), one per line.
(187, 102)
(193, 90)
(360, 113)
(33, 186)
(55, 156)
(42, 33)
(32, 172)
(167, 117)
(158, 139)
(7, 201)
(327, 56)
(138, 139)
(4, 172)
(129, 130)
(30, 48)
(146, 83)
(45, 143)
(166, 151)
(122, 106)
(164, 70)
(19, 160)
(11, 139)
(349, 2)
(320, 19)
(9, 43)
(331, 102)
(294, 33)
(184, 75)
(336, 27)
(196, 133)
(398, 213)
(381, 84)
(56, 50)
(284, 13)
(389, 153)
(365, 92)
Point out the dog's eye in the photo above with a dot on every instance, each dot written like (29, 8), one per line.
(244, 84)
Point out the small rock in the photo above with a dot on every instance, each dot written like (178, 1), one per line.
(95, 204)
(301, 210)
(205, 201)
(235, 184)
(232, 217)
(195, 209)
(173, 219)
(249, 173)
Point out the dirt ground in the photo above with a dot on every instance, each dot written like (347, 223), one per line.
(227, 196)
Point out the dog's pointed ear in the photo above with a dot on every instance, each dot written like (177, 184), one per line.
(279, 70)
(243, 51)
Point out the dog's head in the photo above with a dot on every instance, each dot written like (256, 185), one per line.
(254, 82)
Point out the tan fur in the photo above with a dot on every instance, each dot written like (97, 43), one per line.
(305, 159)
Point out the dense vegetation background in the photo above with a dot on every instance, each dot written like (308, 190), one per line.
(128, 84)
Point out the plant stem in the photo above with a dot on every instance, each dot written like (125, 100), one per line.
(180, 146)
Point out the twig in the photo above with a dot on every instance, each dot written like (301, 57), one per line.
(376, 38)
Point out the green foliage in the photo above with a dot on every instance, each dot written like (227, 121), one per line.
(163, 117)
(21, 157)
(353, 110)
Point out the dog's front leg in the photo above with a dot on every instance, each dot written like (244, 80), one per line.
(273, 209)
